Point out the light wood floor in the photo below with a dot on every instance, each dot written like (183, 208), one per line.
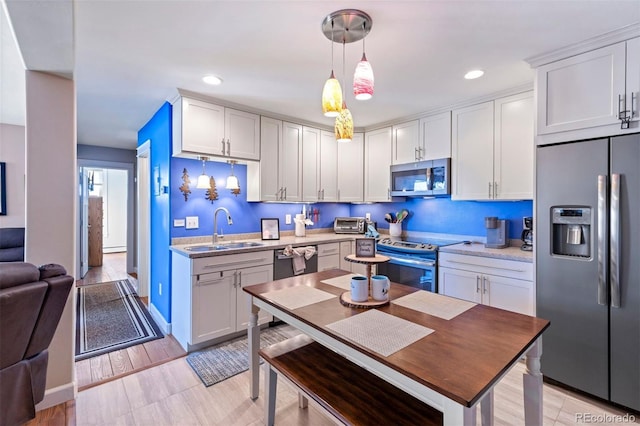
(168, 392)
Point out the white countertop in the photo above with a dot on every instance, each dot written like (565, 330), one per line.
(478, 249)
(312, 238)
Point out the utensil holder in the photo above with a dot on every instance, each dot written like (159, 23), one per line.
(395, 229)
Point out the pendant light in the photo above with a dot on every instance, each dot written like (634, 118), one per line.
(363, 76)
(332, 92)
(232, 181)
(203, 179)
(344, 122)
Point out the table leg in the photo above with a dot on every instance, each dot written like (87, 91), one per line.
(532, 385)
(254, 347)
(486, 409)
(270, 388)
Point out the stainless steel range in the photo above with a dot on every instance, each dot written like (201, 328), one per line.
(412, 263)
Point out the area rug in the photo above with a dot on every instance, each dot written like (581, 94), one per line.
(110, 317)
(217, 363)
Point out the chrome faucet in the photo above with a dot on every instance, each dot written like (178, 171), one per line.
(215, 222)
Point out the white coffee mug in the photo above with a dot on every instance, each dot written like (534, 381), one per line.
(380, 287)
(359, 289)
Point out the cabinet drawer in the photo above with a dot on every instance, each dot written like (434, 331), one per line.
(487, 265)
(327, 249)
(328, 262)
(205, 265)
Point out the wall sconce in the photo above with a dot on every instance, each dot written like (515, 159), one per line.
(232, 180)
(203, 179)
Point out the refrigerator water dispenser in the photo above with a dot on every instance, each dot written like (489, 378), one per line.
(571, 231)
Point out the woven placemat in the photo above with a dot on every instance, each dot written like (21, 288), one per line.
(343, 281)
(434, 304)
(379, 331)
(297, 297)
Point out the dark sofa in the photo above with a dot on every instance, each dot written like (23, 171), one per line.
(31, 303)
(11, 244)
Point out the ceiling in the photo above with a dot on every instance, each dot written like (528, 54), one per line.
(130, 56)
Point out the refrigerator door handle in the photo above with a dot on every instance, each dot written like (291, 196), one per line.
(614, 241)
(602, 239)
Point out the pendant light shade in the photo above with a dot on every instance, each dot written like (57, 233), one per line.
(232, 180)
(331, 97)
(344, 125)
(363, 80)
(203, 179)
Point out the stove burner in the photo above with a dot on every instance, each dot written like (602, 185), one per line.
(430, 245)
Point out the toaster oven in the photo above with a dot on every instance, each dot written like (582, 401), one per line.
(350, 225)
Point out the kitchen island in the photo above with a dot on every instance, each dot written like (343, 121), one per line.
(464, 348)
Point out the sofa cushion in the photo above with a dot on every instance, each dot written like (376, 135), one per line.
(17, 273)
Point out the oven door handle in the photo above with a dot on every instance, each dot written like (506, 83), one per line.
(417, 263)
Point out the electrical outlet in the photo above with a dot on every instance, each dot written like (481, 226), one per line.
(192, 222)
(367, 216)
(160, 289)
(287, 219)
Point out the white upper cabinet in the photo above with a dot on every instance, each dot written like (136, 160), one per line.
(310, 166)
(280, 167)
(351, 169)
(492, 150)
(589, 93)
(203, 128)
(435, 137)
(377, 163)
(406, 142)
(472, 152)
(328, 166)
(513, 147)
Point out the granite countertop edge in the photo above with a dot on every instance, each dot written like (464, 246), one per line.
(478, 249)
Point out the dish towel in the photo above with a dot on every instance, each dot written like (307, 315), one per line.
(299, 256)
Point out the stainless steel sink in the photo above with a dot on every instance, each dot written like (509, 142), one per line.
(224, 246)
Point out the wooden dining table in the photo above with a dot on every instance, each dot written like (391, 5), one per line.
(446, 352)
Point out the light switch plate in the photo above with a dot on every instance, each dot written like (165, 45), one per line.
(287, 219)
(192, 222)
(177, 223)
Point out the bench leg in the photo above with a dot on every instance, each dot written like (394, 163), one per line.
(486, 409)
(303, 402)
(270, 387)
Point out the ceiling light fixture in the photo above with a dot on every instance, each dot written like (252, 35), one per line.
(332, 92)
(212, 79)
(344, 121)
(203, 179)
(232, 181)
(349, 25)
(363, 76)
(474, 74)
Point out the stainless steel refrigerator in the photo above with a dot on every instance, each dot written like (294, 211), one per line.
(588, 265)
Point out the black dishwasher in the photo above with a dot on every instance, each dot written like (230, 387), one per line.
(283, 264)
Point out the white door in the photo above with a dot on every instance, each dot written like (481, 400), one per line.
(328, 166)
(461, 284)
(290, 163)
(270, 135)
(246, 277)
(405, 142)
(377, 163)
(84, 222)
(351, 169)
(310, 156)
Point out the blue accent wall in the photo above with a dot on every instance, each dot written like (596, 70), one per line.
(158, 130)
(442, 215)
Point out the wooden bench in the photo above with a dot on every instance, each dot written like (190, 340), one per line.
(347, 392)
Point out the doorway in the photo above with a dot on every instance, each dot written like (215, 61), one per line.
(110, 184)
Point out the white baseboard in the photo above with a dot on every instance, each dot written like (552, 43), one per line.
(57, 395)
(159, 319)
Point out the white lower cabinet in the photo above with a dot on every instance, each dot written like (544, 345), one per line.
(328, 256)
(346, 248)
(504, 284)
(207, 300)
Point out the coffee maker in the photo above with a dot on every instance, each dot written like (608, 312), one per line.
(497, 232)
(527, 234)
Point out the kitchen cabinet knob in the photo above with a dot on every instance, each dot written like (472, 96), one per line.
(495, 189)
(228, 148)
(285, 192)
(323, 193)
(223, 147)
(489, 189)
(477, 283)
(484, 285)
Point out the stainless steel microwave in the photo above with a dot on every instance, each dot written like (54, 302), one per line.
(421, 179)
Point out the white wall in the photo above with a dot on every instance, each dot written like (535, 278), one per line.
(51, 209)
(114, 235)
(12, 145)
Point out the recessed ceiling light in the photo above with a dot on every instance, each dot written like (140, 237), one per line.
(473, 74)
(212, 79)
